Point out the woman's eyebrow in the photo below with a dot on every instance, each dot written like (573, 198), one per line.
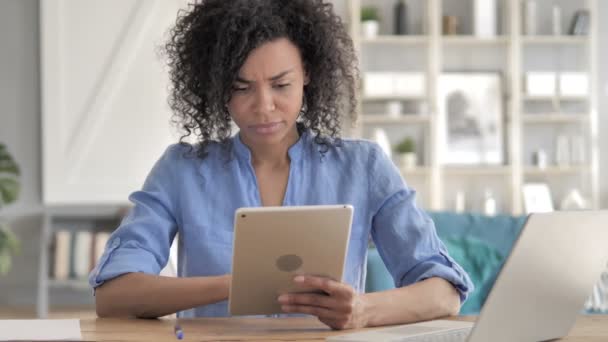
(273, 78)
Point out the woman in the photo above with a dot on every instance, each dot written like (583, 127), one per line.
(281, 71)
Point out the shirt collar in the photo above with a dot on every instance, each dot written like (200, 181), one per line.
(241, 151)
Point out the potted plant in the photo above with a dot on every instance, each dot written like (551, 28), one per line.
(9, 192)
(406, 150)
(370, 21)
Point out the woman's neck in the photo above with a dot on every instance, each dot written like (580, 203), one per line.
(275, 155)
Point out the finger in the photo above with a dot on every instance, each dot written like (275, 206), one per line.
(335, 324)
(321, 313)
(332, 287)
(311, 299)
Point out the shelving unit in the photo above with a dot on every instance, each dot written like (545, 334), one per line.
(511, 53)
(472, 40)
(399, 40)
(72, 218)
(579, 40)
(554, 118)
(393, 98)
(554, 99)
(477, 170)
(417, 171)
(411, 119)
(556, 170)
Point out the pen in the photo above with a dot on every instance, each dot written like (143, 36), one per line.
(179, 333)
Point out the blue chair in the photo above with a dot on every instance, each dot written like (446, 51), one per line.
(478, 243)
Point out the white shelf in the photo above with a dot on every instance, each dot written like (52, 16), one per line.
(554, 118)
(416, 172)
(555, 98)
(88, 211)
(394, 98)
(403, 119)
(76, 284)
(555, 170)
(473, 40)
(555, 40)
(499, 170)
(398, 40)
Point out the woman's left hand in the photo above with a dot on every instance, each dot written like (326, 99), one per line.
(341, 308)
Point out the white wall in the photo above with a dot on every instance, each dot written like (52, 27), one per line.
(20, 130)
(20, 94)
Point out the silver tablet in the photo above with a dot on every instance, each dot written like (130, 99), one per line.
(274, 244)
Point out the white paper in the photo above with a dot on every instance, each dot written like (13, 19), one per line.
(40, 330)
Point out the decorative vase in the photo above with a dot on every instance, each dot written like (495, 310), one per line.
(489, 204)
(394, 109)
(450, 25)
(574, 200)
(400, 17)
(408, 160)
(485, 18)
(370, 28)
(557, 20)
(530, 22)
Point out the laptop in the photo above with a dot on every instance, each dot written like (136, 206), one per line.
(539, 292)
(274, 244)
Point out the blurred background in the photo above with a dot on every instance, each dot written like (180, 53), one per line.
(491, 109)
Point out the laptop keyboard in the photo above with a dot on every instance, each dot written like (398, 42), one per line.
(450, 336)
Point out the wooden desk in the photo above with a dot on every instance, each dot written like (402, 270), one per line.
(587, 328)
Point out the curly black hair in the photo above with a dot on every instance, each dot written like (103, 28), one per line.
(212, 39)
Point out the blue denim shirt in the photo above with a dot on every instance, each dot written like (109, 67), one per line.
(197, 198)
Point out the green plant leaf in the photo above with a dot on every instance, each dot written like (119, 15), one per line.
(369, 13)
(9, 190)
(407, 145)
(7, 163)
(8, 240)
(5, 263)
(9, 246)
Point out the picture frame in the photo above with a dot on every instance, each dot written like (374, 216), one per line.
(537, 198)
(471, 117)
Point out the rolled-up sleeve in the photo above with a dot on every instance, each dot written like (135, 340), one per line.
(405, 235)
(142, 241)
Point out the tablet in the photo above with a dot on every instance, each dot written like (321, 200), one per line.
(274, 244)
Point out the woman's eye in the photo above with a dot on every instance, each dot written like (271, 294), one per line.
(283, 85)
(239, 89)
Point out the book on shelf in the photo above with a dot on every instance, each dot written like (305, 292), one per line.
(101, 239)
(580, 23)
(82, 254)
(72, 262)
(61, 257)
(75, 253)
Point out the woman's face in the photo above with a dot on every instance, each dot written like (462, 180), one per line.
(267, 96)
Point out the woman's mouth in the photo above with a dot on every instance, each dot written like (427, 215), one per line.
(267, 128)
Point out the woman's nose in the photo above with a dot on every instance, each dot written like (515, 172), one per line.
(264, 101)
